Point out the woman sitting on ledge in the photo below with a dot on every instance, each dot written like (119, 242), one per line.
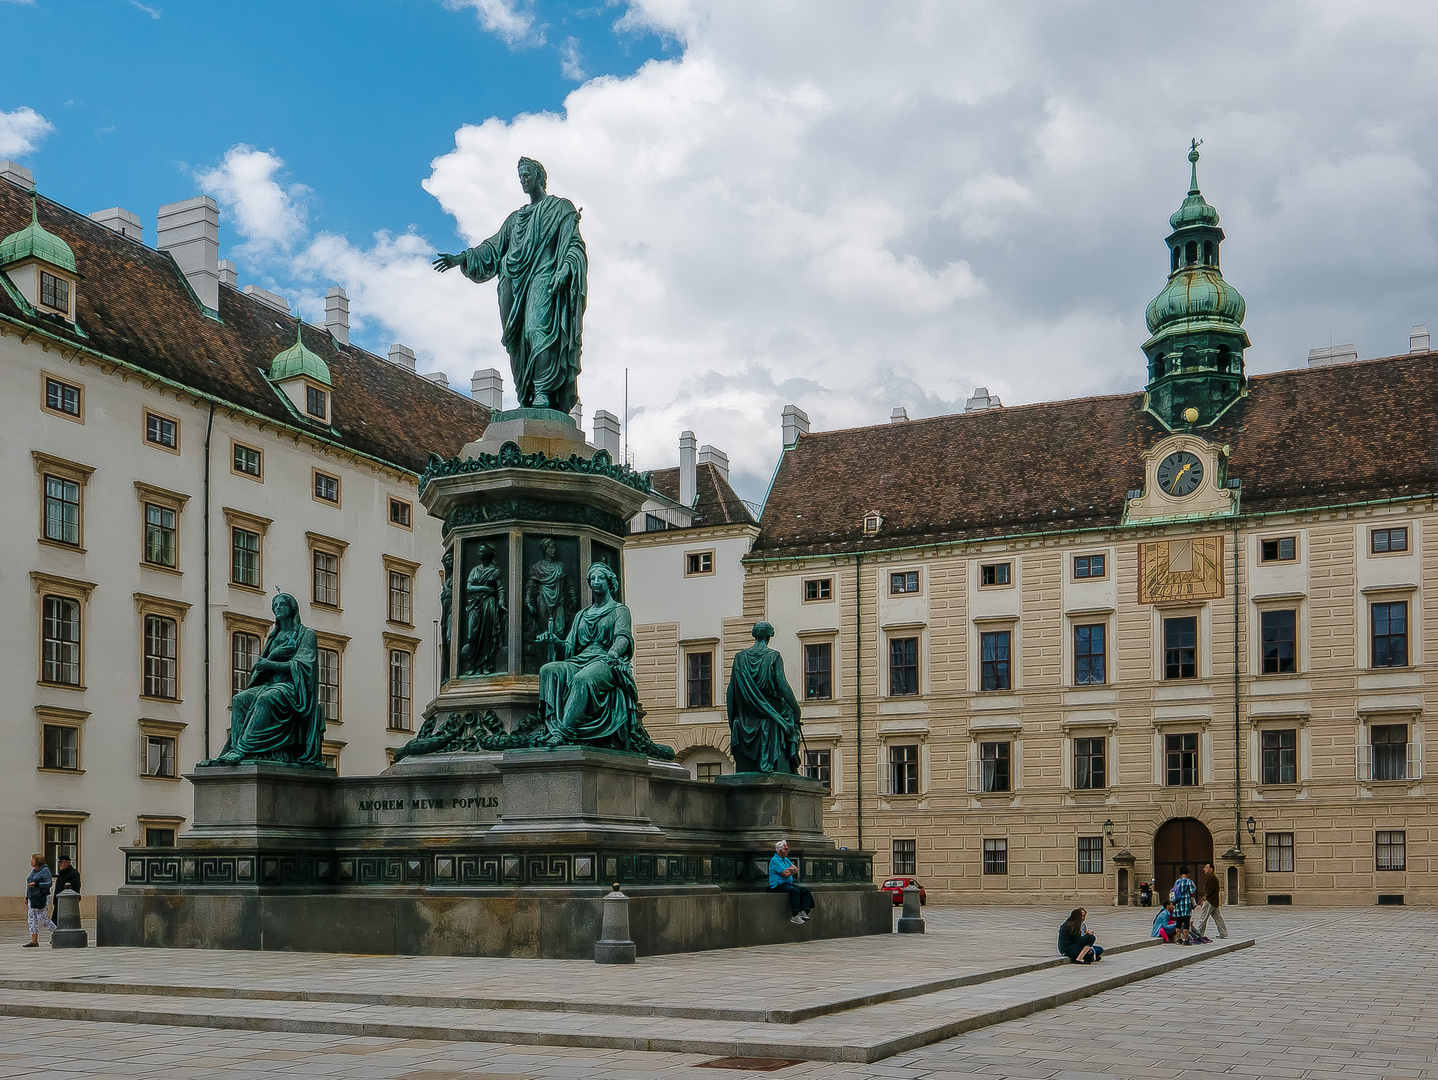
(1074, 943)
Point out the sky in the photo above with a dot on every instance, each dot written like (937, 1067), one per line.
(847, 206)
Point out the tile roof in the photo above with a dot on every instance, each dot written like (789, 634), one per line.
(1301, 438)
(716, 503)
(133, 304)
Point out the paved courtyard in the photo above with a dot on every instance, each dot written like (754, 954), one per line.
(1323, 994)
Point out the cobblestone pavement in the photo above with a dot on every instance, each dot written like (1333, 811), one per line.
(1325, 994)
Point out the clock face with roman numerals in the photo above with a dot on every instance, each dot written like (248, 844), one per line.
(1180, 473)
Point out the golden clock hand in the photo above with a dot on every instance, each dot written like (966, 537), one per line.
(1174, 486)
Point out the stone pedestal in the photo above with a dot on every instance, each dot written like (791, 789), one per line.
(70, 934)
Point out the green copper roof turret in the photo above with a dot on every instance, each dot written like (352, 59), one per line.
(1195, 353)
(298, 360)
(35, 242)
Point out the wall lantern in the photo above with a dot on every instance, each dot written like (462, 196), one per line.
(1108, 831)
(1252, 828)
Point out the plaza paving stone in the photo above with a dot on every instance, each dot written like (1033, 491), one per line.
(1324, 994)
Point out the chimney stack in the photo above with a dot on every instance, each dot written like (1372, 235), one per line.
(688, 468)
(228, 274)
(122, 221)
(264, 296)
(1332, 354)
(439, 378)
(982, 401)
(899, 415)
(606, 433)
(1418, 338)
(402, 355)
(17, 174)
(487, 386)
(190, 231)
(712, 455)
(577, 415)
(796, 423)
(337, 315)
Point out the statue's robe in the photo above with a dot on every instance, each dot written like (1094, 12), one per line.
(589, 697)
(484, 620)
(446, 608)
(550, 596)
(542, 328)
(278, 716)
(763, 714)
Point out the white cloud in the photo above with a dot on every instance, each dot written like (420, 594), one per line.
(512, 21)
(22, 131)
(268, 215)
(852, 206)
(570, 63)
(143, 9)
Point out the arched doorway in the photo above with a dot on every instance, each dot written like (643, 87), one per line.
(1179, 842)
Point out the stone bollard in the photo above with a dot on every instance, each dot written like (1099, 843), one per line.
(614, 946)
(70, 935)
(910, 921)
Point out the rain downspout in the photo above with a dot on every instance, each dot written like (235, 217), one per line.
(209, 431)
(1237, 734)
(859, 688)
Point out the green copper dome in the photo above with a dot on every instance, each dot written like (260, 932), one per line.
(37, 243)
(1195, 209)
(1198, 294)
(298, 360)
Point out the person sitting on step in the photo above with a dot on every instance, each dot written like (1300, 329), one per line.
(783, 877)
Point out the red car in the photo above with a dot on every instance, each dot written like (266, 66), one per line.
(895, 887)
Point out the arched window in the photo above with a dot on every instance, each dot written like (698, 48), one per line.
(1174, 267)
(1223, 356)
(1208, 253)
(1190, 252)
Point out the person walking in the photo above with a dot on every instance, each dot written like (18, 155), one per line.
(37, 897)
(1211, 901)
(66, 877)
(1182, 895)
(783, 876)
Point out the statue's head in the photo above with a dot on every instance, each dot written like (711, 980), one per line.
(448, 560)
(547, 546)
(763, 631)
(532, 177)
(285, 606)
(486, 553)
(601, 576)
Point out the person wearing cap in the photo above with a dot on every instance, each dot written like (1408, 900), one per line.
(66, 877)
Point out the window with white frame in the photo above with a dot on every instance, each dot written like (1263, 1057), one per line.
(1180, 753)
(401, 689)
(244, 654)
(1391, 849)
(1278, 852)
(1390, 753)
(903, 769)
(1279, 750)
(994, 762)
(996, 856)
(1090, 763)
(1090, 854)
(819, 671)
(818, 765)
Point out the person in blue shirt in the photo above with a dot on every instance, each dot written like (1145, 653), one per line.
(1182, 897)
(783, 877)
(1165, 923)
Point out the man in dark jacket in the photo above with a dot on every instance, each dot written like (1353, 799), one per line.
(1211, 900)
(66, 877)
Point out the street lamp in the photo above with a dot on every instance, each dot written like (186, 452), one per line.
(1108, 830)
(1252, 828)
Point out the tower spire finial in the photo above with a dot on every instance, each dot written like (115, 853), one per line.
(1193, 146)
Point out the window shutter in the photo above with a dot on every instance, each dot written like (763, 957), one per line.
(152, 757)
(886, 775)
(1415, 759)
(1365, 760)
(973, 768)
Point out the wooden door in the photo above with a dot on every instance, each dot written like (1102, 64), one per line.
(1178, 843)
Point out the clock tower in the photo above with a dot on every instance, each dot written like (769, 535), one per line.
(1195, 353)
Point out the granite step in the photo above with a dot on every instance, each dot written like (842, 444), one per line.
(865, 1033)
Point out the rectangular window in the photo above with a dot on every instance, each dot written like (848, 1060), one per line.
(1382, 541)
(698, 562)
(1279, 549)
(1391, 850)
(1089, 566)
(326, 578)
(162, 431)
(61, 840)
(159, 535)
(160, 756)
(159, 837)
(1090, 648)
(1180, 760)
(1389, 743)
(327, 487)
(1280, 756)
(1090, 764)
(818, 766)
(60, 641)
(1090, 854)
(906, 857)
(994, 673)
(329, 681)
(1278, 852)
(61, 747)
(818, 589)
(904, 582)
(400, 513)
(819, 671)
(994, 766)
(654, 523)
(244, 652)
(996, 856)
(708, 771)
(248, 460)
(1180, 647)
(904, 769)
(699, 679)
(400, 586)
(162, 643)
(245, 557)
(995, 573)
(1390, 634)
(62, 397)
(400, 663)
(903, 666)
(316, 402)
(1280, 641)
(54, 293)
(62, 510)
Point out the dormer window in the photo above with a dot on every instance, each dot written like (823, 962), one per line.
(41, 266)
(55, 293)
(316, 402)
(303, 379)
(872, 523)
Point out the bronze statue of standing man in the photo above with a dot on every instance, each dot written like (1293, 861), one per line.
(543, 271)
